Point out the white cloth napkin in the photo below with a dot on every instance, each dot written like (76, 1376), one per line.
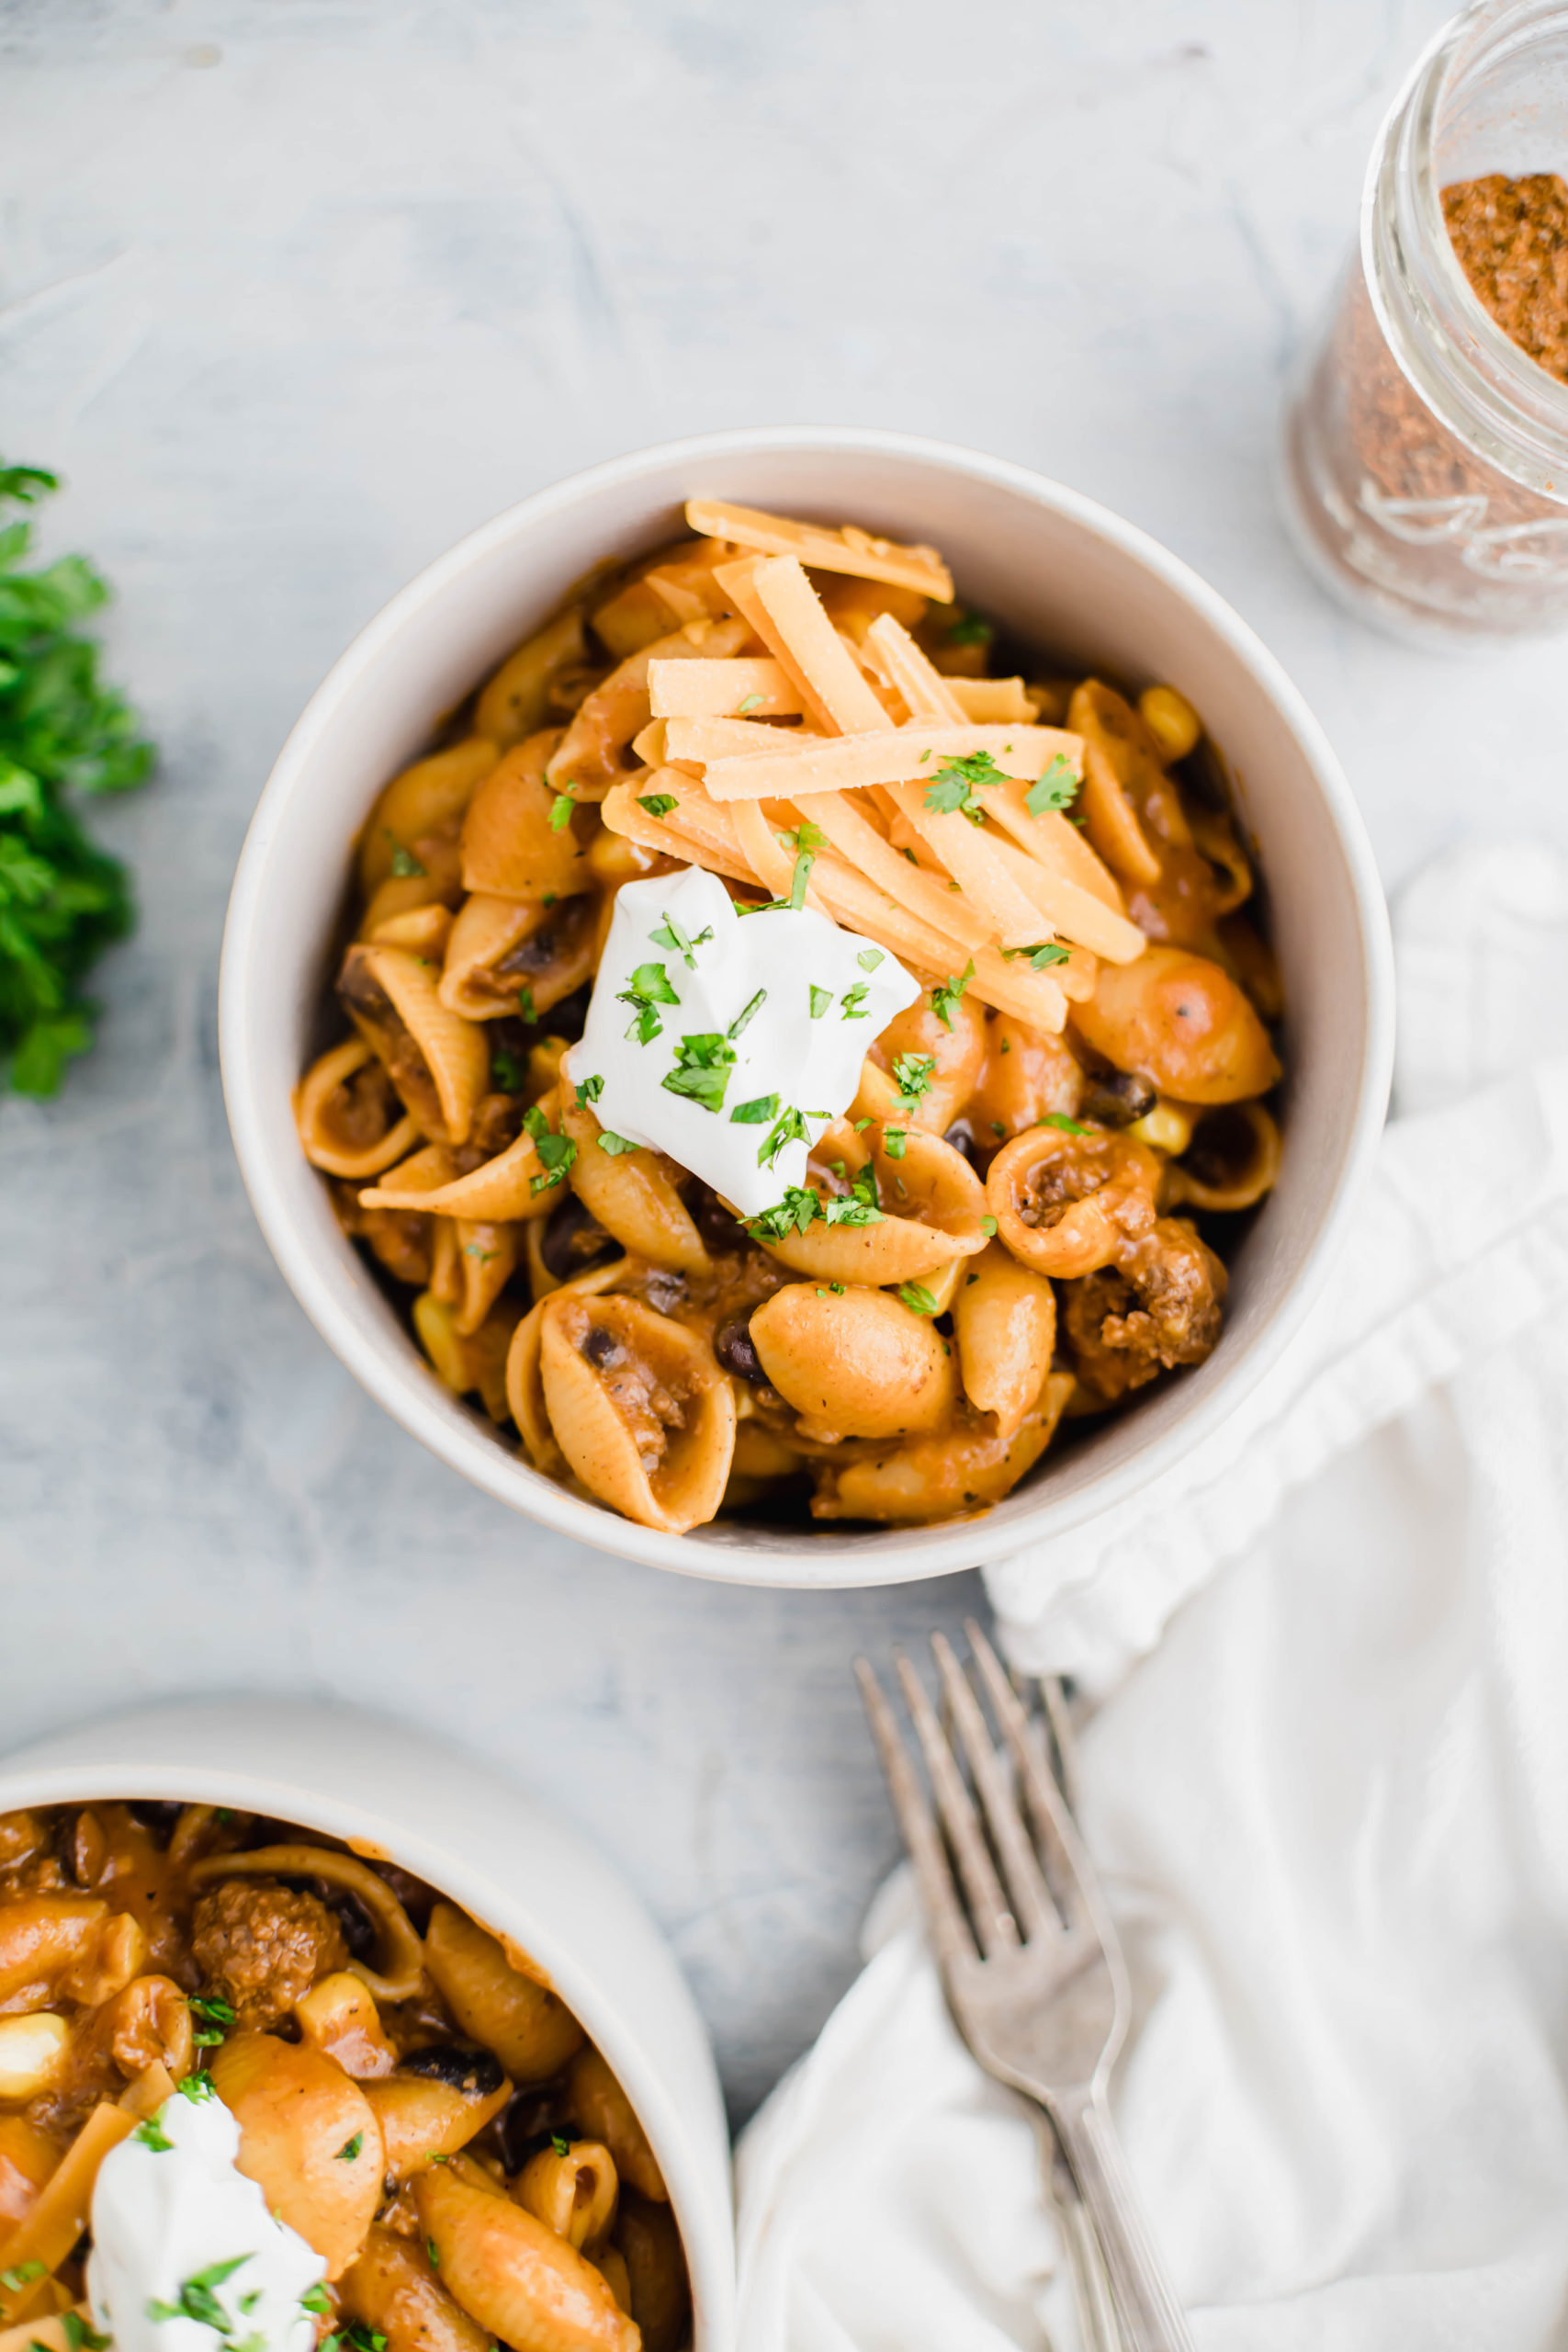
(1331, 1809)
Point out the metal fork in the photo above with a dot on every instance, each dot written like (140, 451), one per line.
(1032, 1968)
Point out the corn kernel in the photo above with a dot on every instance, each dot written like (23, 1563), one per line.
(1171, 721)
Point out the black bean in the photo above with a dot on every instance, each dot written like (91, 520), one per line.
(461, 2065)
(157, 1815)
(574, 1240)
(601, 1347)
(1118, 1098)
(736, 1350)
(569, 1019)
(528, 2122)
(960, 1135)
(720, 1231)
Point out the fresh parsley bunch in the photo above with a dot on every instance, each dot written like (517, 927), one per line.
(62, 731)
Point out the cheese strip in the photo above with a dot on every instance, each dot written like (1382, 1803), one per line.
(1055, 842)
(702, 739)
(794, 618)
(752, 682)
(739, 581)
(1066, 909)
(993, 702)
(848, 549)
(927, 694)
(1015, 988)
(58, 2215)
(1010, 912)
(772, 863)
(622, 816)
(892, 755)
(926, 894)
(854, 900)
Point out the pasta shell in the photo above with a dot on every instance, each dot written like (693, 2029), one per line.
(392, 2292)
(956, 1054)
(421, 800)
(464, 1362)
(510, 848)
(516, 699)
(855, 1362)
(574, 2195)
(525, 1386)
(638, 1406)
(298, 2111)
(1182, 1023)
(424, 930)
(630, 1195)
(1233, 1160)
(1065, 1204)
(336, 1118)
(487, 1256)
(594, 752)
(933, 1209)
(936, 1478)
(410, 1185)
(518, 956)
(531, 2288)
(438, 1062)
(1004, 1319)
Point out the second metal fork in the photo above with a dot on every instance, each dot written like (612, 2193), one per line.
(1031, 1963)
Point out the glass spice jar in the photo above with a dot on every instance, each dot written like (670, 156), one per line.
(1425, 472)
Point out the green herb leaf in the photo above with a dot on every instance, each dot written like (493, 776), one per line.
(703, 1064)
(197, 2088)
(1057, 789)
(505, 1069)
(914, 1074)
(614, 1145)
(747, 1012)
(820, 999)
(650, 986)
(953, 785)
(1068, 1126)
(755, 1114)
(557, 1154)
(589, 1090)
(79, 2337)
(350, 2149)
(989, 1226)
(869, 958)
(405, 865)
(895, 1142)
(794, 1214)
(852, 1004)
(748, 702)
(791, 1129)
(20, 2275)
(316, 2299)
(945, 995)
(670, 934)
(561, 2146)
(970, 628)
(562, 808)
(1047, 953)
(433, 2250)
(799, 879)
(918, 1299)
(152, 2134)
(657, 804)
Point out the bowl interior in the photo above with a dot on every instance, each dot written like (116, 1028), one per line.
(1070, 580)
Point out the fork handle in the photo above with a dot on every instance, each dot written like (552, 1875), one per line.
(1151, 2318)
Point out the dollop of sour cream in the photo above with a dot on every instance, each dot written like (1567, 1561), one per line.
(729, 1041)
(186, 2255)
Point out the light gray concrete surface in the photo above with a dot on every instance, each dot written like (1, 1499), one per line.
(296, 291)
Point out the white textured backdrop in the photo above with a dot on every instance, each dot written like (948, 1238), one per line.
(296, 291)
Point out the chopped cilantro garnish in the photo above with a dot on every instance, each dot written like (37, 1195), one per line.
(197, 2088)
(505, 1071)
(350, 2149)
(757, 1113)
(657, 804)
(805, 836)
(820, 999)
(213, 2012)
(20, 2275)
(562, 808)
(998, 1129)
(953, 787)
(197, 2299)
(869, 958)
(525, 1004)
(1056, 789)
(918, 1299)
(316, 2299)
(747, 1012)
(405, 865)
(987, 1226)
(703, 1064)
(970, 628)
(557, 1154)
(614, 1145)
(1047, 953)
(791, 1129)
(945, 995)
(433, 2250)
(837, 1289)
(895, 1142)
(679, 942)
(798, 880)
(794, 1214)
(152, 2134)
(649, 987)
(1068, 1126)
(590, 1089)
(853, 1004)
(913, 1074)
(749, 702)
(79, 2337)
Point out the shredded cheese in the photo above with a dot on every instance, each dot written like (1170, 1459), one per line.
(848, 549)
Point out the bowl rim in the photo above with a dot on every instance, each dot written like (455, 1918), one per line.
(821, 1561)
(68, 1764)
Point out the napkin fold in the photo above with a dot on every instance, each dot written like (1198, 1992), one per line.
(1331, 1809)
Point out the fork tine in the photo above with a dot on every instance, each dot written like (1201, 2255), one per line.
(1073, 1882)
(1031, 1896)
(1062, 1739)
(944, 1916)
(990, 1910)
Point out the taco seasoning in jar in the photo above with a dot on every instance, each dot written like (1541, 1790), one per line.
(1426, 442)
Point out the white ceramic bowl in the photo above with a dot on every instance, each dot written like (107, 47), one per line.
(393, 1792)
(1069, 578)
